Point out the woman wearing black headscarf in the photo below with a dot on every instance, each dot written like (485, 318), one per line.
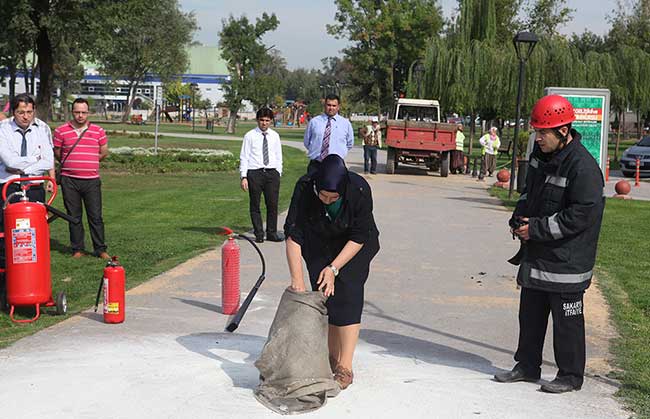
(330, 224)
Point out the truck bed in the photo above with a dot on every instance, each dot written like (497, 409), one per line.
(418, 135)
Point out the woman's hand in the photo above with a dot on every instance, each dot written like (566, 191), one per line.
(298, 286)
(326, 281)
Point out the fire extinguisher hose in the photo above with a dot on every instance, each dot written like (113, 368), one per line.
(99, 292)
(234, 324)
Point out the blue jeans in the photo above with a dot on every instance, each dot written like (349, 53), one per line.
(370, 154)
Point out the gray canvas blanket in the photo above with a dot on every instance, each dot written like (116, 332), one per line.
(295, 375)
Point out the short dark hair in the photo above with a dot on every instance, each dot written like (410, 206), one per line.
(25, 98)
(80, 100)
(264, 113)
(332, 96)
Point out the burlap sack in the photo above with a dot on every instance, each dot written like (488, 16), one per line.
(295, 375)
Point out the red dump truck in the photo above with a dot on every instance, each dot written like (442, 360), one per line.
(416, 136)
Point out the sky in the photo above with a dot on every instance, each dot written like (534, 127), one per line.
(302, 38)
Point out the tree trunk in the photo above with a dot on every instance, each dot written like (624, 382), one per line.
(618, 137)
(26, 75)
(623, 119)
(232, 119)
(33, 73)
(12, 82)
(64, 102)
(638, 124)
(129, 102)
(46, 70)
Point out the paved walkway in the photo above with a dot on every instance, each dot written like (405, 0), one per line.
(440, 319)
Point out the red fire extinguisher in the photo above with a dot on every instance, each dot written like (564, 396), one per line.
(230, 275)
(113, 283)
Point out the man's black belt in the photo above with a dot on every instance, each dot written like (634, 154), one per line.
(263, 169)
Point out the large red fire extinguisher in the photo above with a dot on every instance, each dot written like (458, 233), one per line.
(113, 284)
(27, 248)
(230, 275)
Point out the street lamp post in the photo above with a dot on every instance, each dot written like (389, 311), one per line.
(193, 86)
(524, 43)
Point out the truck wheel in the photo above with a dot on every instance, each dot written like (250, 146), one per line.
(390, 161)
(444, 164)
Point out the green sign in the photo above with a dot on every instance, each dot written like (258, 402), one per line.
(589, 122)
(592, 118)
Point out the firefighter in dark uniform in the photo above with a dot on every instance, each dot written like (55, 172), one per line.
(557, 219)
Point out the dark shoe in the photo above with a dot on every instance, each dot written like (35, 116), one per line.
(278, 237)
(365, 172)
(259, 239)
(517, 374)
(373, 173)
(560, 385)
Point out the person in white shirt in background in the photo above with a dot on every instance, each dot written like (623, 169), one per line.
(260, 168)
(490, 143)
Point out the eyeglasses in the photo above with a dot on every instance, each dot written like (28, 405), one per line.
(23, 113)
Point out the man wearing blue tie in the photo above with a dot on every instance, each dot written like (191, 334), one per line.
(260, 167)
(328, 133)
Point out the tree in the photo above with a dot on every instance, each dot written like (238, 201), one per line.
(243, 50)
(387, 36)
(546, 16)
(137, 38)
(268, 79)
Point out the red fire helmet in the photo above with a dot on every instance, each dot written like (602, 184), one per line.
(552, 111)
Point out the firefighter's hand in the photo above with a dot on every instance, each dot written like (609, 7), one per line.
(49, 187)
(522, 232)
(244, 184)
(326, 281)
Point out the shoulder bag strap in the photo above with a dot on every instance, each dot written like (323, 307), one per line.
(73, 147)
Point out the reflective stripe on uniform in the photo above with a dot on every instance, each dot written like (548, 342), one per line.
(560, 278)
(557, 181)
(523, 197)
(534, 163)
(554, 227)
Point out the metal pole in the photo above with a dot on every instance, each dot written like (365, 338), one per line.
(155, 140)
(193, 108)
(515, 139)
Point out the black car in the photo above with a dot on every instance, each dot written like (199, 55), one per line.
(640, 150)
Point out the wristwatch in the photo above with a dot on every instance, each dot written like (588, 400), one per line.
(334, 269)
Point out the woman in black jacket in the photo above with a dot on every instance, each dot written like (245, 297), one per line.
(330, 224)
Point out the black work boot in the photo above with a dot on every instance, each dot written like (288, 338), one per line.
(561, 385)
(517, 374)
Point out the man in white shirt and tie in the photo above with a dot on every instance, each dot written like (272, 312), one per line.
(260, 167)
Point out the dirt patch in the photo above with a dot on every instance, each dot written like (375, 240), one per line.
(599, 331)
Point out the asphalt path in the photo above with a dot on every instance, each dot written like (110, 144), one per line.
(440, 319)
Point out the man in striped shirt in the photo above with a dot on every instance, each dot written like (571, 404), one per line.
(79, 146)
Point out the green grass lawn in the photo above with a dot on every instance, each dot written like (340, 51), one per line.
(294, 134)
(622, 268)
(153, 223)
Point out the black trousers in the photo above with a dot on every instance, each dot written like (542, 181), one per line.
(568, 332)
(267, 182)
(89, 193)
(370, 156)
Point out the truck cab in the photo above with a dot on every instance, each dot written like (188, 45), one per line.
(417, 110)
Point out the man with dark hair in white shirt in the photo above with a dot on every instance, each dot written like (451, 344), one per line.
(260, 167)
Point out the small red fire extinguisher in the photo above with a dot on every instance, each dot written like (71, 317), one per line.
(230, 276)
(113, 283)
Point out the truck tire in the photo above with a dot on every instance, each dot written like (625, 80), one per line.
(391, 161)
(444, 164)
